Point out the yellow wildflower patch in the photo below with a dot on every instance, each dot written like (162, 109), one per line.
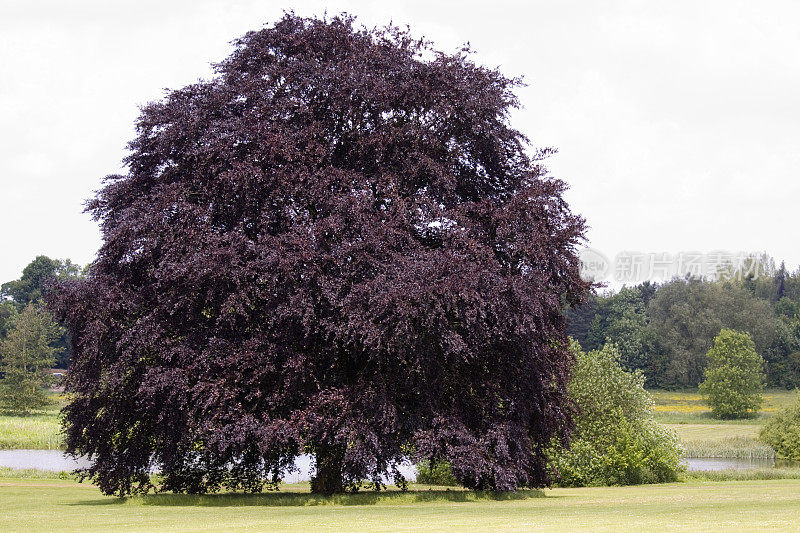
(675, 408)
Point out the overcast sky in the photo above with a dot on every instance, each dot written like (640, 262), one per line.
(677, 123)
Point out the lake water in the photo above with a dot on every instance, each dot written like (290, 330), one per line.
(55, 461)
(51, 460)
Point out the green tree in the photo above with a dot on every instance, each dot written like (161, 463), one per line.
(27, 351)
(623, 322)
(782, 432)
(7, 313)
(780, 282)
(686, 314)
(32, 285)
(787, 307)
(616, 440)
(35, 277)
(734, 378)
(581, 317)
(791, 286)
(782, 359)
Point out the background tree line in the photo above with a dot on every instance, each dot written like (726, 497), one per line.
(31, 341)
(665, 330)
(18, 294)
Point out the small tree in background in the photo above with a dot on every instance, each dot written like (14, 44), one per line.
(617, 441)
(26, 353)
(734, 377)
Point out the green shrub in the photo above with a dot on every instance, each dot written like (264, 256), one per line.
(782, 432)
(436, 474)
(616, 440)
(734, 377)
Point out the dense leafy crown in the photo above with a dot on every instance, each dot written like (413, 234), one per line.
(734, 378)
(338, 245)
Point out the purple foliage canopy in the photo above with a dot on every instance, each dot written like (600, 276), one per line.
(338, 246)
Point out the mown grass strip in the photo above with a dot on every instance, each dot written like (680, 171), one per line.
(417, 494)
(769, 505)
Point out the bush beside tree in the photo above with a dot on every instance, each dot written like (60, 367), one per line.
(734, 377)
(616, 440)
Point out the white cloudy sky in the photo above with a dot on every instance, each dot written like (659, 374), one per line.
(678, 123)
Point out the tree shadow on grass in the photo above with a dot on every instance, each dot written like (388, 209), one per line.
(299, 499)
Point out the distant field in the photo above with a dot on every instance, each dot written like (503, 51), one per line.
(704, 436)
(47, 505)
(38, 431)
(687, 407)
(705, 432)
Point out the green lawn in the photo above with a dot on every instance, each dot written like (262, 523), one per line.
(42, 505)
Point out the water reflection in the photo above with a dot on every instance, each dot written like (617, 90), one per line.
(50, 460)
(56, 461)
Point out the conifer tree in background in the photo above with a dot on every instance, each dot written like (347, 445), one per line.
(780, 282)
(26, 353)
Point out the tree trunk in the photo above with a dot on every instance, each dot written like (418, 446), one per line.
(328, 479)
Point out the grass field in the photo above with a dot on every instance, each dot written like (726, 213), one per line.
(38, 431)
(687, 407)
(703, 436)
(722, 441)
(42, 505)
(696, 432)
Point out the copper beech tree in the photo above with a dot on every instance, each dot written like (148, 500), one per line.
(337, 246)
